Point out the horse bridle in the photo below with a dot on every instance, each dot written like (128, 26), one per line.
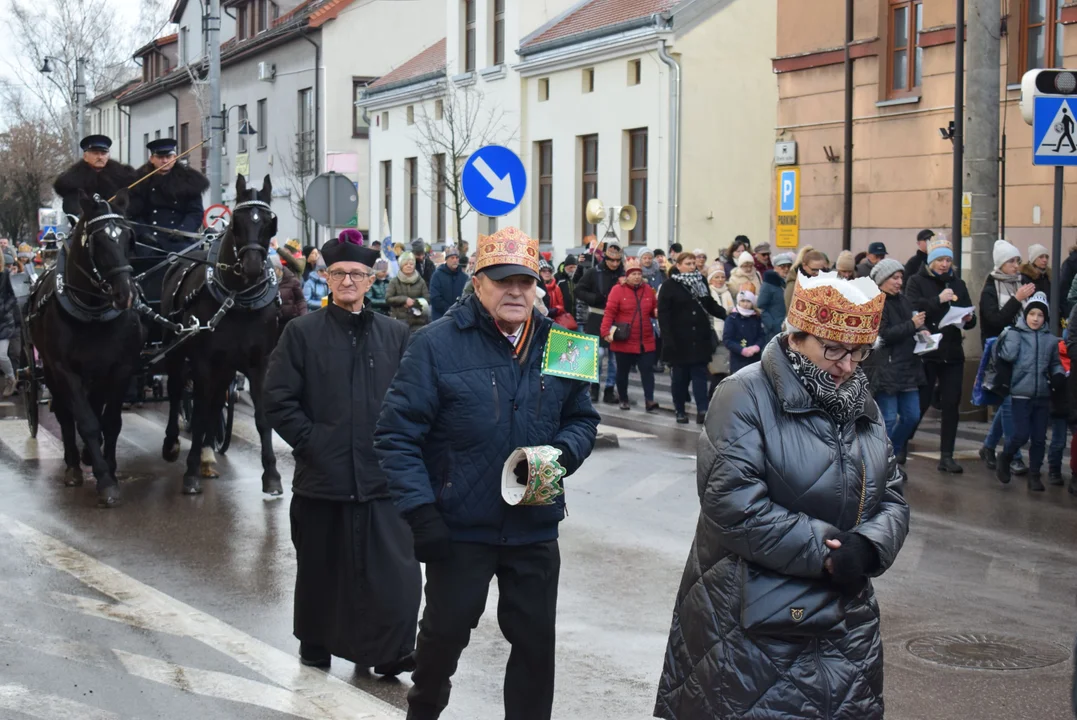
(254, 206)
(114, 228)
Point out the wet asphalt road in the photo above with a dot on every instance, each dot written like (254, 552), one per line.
(176, 607)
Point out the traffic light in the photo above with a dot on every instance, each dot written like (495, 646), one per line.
(1045, 83)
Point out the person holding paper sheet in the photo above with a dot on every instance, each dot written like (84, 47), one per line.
(934, 290)
(1000, 308)
(895, 371)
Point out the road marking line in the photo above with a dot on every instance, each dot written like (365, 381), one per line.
(48, 707)
(56, 646)
(335, 699)
(218, 685)
(15, 434)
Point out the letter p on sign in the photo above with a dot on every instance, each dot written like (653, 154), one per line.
(788, 192)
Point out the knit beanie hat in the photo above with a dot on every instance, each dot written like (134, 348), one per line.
(785, 258)
(845, 262)
(750, 297)
(885, 269)
(1004, 252)
(571, 260)
(1037, 302)
(1036, 250)
(939, 247)
(745, 258)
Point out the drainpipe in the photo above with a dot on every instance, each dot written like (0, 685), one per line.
(177, 123)
(674, 138)
(317, 118)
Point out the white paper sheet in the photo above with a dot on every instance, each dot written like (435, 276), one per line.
(955, 316)
(927, 345)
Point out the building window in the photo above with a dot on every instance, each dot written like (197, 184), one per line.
(544, 150)
(185, 138)
(411, 114)
(469, 35)
(588, 80)
(145, 142)
(360, 127)
(267, 13)
(543, 89)
(637, 183)
(241, 22)
(906, 55)
(387, 191)
(263, 124)
(184, 45)
(172, 131)
(156, 134)
(588, 180)
(241, 139)
(411, 166)
(439, 196)
(1041, 34)
(306, 138)
(499, 32)
(385, 120)
(439, 109)
(635, 72)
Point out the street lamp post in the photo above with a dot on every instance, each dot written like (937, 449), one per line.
(218, 122)
(79, 95)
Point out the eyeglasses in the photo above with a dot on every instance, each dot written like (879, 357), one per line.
(357, 276)
(836, 353)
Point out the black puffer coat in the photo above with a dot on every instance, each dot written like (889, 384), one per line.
(923, 290)
(593, 290)
(324, 389)
(686, 327)
(776, 477)
(895, 367)
(994, 317)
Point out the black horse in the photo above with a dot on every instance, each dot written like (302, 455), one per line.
(89, 338)
(233, 291)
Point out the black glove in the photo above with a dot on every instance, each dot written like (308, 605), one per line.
(430, 532)
(1058, 383)
(520, 471)
(568, 460)
(853, 561)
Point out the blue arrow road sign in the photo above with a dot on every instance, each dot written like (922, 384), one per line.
(1054, 131)
(494, 181)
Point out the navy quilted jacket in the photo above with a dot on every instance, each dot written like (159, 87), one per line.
(459, 406)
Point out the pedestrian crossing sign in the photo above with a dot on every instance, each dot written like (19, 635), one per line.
(1054, 131)
(571, 355)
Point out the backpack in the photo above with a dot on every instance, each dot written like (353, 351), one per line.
(998, 374)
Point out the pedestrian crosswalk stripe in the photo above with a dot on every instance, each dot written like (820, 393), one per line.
(15, 435)
(218, 685)
(153, 609)
(30, 640)
(19, 698)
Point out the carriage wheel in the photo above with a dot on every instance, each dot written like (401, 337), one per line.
(222, 438)
(29, 384)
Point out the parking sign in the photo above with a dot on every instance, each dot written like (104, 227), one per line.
(787, 224)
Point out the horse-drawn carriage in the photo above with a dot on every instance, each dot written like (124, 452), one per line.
(109, 326)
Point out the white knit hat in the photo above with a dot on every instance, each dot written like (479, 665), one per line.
(1004, 252)
(1036, 250)
(745, 258)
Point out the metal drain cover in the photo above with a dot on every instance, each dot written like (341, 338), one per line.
(987, 651)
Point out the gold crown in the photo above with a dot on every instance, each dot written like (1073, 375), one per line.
(825, 313)
(508, 246)
(632, 264)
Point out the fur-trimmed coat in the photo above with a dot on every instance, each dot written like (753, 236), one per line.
(172, 200)
(81, 176)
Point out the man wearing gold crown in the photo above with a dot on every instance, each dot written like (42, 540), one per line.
(469, 394)
(801, 505)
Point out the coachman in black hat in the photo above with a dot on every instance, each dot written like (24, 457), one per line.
(170, 199)
(357, 585)
(94, 173)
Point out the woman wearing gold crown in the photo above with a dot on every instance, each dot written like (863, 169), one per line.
(801, 504)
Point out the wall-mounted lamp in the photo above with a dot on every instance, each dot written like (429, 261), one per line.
(947, 133)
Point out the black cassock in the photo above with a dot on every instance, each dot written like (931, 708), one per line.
(358, 585)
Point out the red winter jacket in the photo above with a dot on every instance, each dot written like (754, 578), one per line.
(555, 301)
(621, 308)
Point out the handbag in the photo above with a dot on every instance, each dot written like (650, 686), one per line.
(777, 604)
(998, 375)
(622, 331)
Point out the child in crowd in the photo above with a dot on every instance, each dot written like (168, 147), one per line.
(743, 332)
(1033, 351)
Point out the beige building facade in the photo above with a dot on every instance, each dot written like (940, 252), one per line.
(904, 94)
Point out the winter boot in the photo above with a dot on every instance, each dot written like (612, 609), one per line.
(988, 456)
(701, 418)
(314, 656)
(1003, 469)
(625, 405)
(609, 397)
(1054, 477)
(682, 418)
(1034, 483)
(1018, 467)
(652, 407)
(947, 464)
(901, 457)
(594, 392)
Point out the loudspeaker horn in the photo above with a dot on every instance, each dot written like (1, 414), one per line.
(595, 211)
(628, 217)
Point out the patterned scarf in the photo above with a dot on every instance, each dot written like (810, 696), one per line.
(694, 282)
(844, 402)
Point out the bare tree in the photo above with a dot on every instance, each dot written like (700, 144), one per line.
(31, 155)
(289, 166)
(66, 30)
(467, 123)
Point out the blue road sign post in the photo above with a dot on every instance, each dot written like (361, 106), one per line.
(494, 181)
(1054, 131)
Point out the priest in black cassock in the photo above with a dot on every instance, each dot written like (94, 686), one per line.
(358, 584)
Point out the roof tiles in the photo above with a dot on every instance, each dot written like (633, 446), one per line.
(428, 61)
(598, 14)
